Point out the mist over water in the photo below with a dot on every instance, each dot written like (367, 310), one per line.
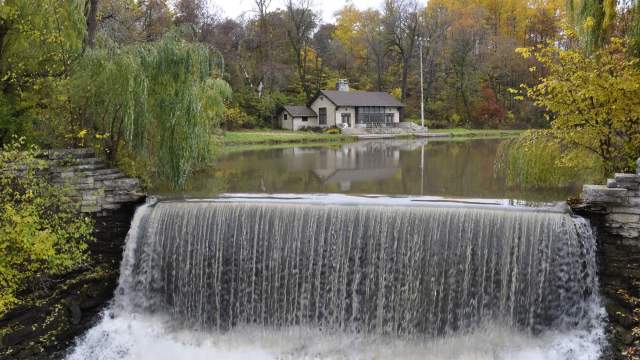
(152, 338)
(224, 280)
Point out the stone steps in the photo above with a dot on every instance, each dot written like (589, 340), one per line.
(94, 185)
(619, 202)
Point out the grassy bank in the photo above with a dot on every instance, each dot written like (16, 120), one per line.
(272, 137)
(478, 133)
(264, 138)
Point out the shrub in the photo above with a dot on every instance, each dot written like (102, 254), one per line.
(315, 129)
(333, 131)
(235, 118)
(537, 160)
(436, 124)
(41, 233)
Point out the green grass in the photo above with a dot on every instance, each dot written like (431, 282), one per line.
(255, 139)
(475, 133)
(271, 137)
(231, 149)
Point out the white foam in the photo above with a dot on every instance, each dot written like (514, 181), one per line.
(145, 337)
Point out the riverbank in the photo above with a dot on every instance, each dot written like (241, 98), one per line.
(278, 137)
(275, 137)
(478, 133)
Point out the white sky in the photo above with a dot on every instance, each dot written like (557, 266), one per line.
(327, 8)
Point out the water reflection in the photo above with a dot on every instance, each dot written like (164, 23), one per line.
(358, 162)
(391, 167)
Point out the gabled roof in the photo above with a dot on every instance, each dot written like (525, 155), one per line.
(299, 111)
(360, 98)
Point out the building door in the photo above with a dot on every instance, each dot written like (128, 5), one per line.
(346, 119)
(389, 118)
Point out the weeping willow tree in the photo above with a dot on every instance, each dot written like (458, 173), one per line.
(160, 101)
(596, 21)
(634, 29)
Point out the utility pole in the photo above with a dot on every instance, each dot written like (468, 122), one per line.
(421, 88)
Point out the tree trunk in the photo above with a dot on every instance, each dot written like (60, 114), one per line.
(405, 75)
(92, 23)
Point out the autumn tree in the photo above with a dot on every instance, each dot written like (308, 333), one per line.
(301, 21)
(156, 19)
(401, 25)
(466, 37)
(262, 36)
(594, 101)
(38, 43)
(436, 23)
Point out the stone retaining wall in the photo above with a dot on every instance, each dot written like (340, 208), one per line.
(614, 209)
(97, 187)
(53, 316)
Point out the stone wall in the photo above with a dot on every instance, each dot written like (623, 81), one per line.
(614, 209)
(97, 187)
(55, 313)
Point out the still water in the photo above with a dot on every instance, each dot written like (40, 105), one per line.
(459, 169)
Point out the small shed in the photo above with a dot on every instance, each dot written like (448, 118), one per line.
(294, 117)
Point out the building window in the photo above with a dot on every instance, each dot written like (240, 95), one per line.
(389, 117)
(322, 114)
(371, 115)
(285, 117)
(305, 119)
(346, 119)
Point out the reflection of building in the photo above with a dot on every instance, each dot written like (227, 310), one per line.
(362, 161)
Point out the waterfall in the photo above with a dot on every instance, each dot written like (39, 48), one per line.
(389, 270)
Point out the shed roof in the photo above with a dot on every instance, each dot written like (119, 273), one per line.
(299, 111)
(361, 98)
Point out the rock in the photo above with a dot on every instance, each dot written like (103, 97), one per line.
(627, 181)
(76, 313)
(624, 210)
(16, 337)
(604, 194)
(627, 337)
(638, 166)
(61, 154)
(623, 218)
(627, 178)
(611, 184)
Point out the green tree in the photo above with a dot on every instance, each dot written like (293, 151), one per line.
(162, 101)
(593, 21)
(594, 101)
(39, 40)
(41, 233)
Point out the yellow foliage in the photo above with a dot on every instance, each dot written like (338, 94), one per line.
(594, 102)
(41, 233)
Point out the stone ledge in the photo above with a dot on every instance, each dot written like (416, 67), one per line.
(615, 210)
(94, 186)
(604, 194)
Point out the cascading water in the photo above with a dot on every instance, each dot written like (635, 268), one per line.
(417, 274)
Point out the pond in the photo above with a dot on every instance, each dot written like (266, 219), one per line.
(447, 168)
